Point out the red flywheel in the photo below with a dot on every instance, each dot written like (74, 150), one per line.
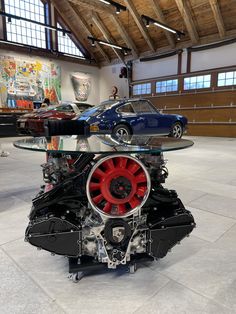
(118, 185)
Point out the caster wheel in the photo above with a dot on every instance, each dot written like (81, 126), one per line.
(132, 268)
(76, 277)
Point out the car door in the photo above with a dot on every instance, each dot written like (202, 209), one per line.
(151, 118)
(127, 115)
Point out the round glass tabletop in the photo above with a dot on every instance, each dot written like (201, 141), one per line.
(99, 144)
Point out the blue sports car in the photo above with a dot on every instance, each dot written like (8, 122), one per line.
(132, 116)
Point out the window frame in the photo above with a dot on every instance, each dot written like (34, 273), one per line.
(149, 104)
(61, 21)
(141, 94)
(126, 113)
(167, 80)
(46, 40)
(187, 90)
(225, 79)
(51, 17)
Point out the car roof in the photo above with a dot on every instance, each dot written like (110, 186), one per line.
(118, 102)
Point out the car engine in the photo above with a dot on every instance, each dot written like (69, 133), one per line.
(107, 210)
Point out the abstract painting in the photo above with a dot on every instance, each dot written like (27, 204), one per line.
(24, 81)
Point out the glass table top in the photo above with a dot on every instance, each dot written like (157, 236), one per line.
(98, 144)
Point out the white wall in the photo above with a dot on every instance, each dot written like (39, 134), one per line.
(155, 68)
(66, 69)
(214, 58)
(202, 60)
(109, 77)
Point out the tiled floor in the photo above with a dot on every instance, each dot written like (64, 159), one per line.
(198, 276)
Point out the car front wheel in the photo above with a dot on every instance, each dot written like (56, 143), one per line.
(176, 130)
(121, 131)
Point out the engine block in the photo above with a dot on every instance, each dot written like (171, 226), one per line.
(107, 211)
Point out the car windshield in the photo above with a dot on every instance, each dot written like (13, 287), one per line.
(101, 107)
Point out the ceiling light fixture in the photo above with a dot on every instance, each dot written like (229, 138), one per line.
(117, 10)
(106, 43)
(105, 1)
(15, 17)
(148, 20)
(119, 7)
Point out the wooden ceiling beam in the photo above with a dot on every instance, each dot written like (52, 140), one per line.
(218, 17)
(161, 18)
(188, 20)
(106, 34)
(94, 5)
(72, 19)
(127, 39)
(138, 20)
(89, 32)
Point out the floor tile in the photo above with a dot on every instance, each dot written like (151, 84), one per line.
(175, 298)
(210, 187)
(19, 294)
(210, 227)
(211, 272)
(221, 205)
(13, 224)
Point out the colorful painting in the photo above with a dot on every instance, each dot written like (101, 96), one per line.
(22, 82)
(81, 85)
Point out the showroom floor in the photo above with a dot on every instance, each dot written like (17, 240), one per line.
(198, 276)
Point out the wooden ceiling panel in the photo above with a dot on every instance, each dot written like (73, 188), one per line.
(228, 12)
(156, 33)
(173, 17)
(196, 18)
(205, 23)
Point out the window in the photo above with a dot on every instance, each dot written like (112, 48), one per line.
(127, 108)
(197, 82)
(64, 108)
(25, 32)
(66, 45)
(142, 89)
(167, 86)
(226, 79)
(143, 107)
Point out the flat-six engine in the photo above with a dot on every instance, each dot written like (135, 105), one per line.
(107, 210)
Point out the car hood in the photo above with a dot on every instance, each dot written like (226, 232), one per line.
(90, 113)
